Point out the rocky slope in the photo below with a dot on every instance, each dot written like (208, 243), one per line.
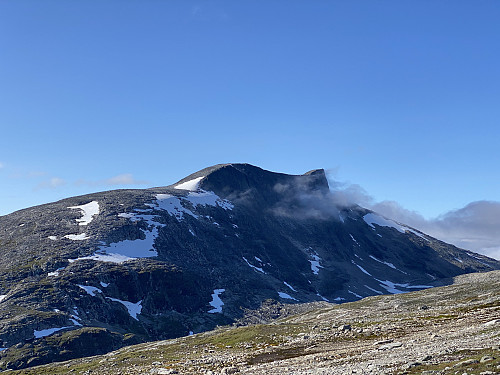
(453, 329)
(127, 266)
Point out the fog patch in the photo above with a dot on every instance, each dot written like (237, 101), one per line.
(298, 200)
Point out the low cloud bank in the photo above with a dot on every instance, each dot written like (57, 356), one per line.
(122, 179)
(474, 227)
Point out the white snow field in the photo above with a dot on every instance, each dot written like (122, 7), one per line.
(88, 211)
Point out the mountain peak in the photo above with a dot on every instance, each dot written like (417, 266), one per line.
(234, 179)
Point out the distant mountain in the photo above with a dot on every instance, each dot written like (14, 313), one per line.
(89, 274)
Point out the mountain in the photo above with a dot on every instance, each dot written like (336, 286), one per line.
(90, 274)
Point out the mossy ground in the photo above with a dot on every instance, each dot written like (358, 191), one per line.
(465, 361)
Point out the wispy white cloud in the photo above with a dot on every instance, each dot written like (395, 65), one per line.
(20, 174)
(51, 183)
(121, 179)
(124, 179)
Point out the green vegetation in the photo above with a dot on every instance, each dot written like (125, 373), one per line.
(469, 361)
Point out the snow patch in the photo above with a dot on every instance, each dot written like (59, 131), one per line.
(373, 290)
(286, 296)
(2, 297)
(88, 211)
(112, 258)
(191, 185)
(208, 198)
(122, 251)
(380, 261)
(174, 205)
(53, 238)
(77, 237)
(354, 239)
(387, 264)
(479, 260)
(133, 308)
(371, 219)
(119, 252)
(47, 332)
(140, 248)
(216, 302)
(315, 263)
(419, 286)
(255, 268)
(75, 322)
(55, 273)
(361, 268)
(103, 284)
(127, 215)
(288, 285)
(92, 290)
(323, 298)
(417, 234)
(391, 287)
(357, 295)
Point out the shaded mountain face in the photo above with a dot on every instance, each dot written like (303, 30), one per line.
(125, 266)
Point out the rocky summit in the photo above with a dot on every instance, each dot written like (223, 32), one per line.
(90, 274)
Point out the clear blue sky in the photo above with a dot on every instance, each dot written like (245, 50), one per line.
(400, 97)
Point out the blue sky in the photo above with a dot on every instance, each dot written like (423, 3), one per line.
(399, 97)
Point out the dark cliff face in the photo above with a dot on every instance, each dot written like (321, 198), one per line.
(247, 184)
(140, 265)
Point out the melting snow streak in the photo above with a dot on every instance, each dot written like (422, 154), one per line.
(255, 268)
(216, 302)
(286, 296)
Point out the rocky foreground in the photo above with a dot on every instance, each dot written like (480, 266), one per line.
(447, 330)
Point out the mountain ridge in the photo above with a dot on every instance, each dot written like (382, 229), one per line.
(138, 265)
